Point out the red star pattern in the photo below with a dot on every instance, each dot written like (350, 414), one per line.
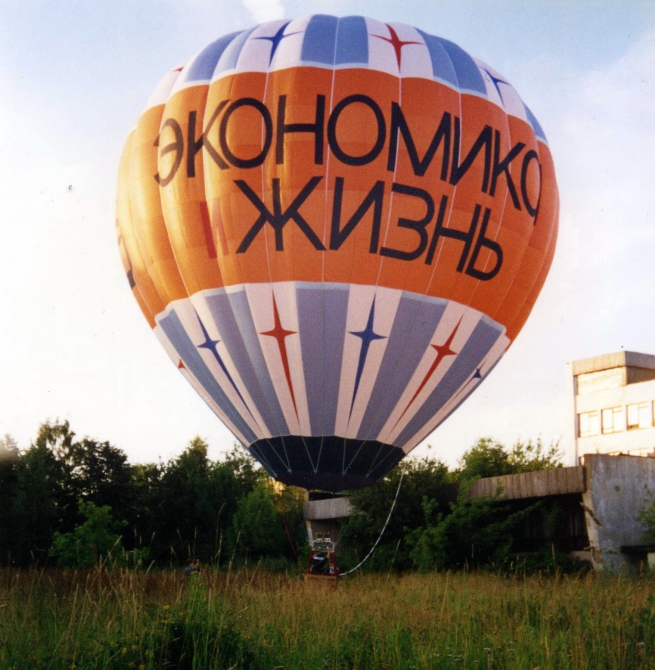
(395, 42)
(280, 335)
(442, 350)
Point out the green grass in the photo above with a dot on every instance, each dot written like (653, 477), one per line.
(250, 619)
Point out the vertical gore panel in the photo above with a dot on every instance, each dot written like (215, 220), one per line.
(468, 74)
(442, 66)
(243, 317)
(476, 348)
(413, 328)
(203, 65)
(352, 41)
(322, 318)
(319, 40)
(230, 56)
(536, 126)
(221, 309)
(174, 330)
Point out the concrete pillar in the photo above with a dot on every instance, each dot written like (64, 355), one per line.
(617, 489)
(571, 449)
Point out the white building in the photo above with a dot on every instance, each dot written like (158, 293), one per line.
(613, 398)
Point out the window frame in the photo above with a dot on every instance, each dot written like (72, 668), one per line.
(593, 419)
(639, 415)
(617, 420)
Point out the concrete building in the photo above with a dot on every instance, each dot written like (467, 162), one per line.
(612, 404)
(612, 426)
(601, 498)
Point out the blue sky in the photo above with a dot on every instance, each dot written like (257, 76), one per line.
(74, 77)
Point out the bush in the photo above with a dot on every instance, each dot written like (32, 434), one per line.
(90, 542)
(475, 533)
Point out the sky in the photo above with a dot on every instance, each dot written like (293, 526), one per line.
(74, 77)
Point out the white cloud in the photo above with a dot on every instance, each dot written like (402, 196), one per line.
(264, 10)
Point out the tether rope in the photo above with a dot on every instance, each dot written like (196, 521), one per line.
(386, 523)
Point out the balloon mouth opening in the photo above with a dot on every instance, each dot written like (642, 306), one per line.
(325, 481)
(326, 462)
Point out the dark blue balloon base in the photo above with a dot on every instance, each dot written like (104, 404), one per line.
(326, 463)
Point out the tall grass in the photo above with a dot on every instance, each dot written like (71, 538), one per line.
(252, 619)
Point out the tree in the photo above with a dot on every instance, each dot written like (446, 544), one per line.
(488, 458)
(186, 506)
(9, 521)
(246, 469)
(196, 502)
(147, 500)
(37, 509)
(426, 478)
(102, 475)
(259, 525)
(8, 449)
(534, 456)
(90, 542)
(53, 448)
(269, 522)
(85, 470)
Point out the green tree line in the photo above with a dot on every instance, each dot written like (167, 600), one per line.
(77, 501)
(188, 506)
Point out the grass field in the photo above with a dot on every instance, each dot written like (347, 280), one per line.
(251, 619)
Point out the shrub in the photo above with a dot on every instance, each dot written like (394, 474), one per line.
(91, 541)
(475, 533)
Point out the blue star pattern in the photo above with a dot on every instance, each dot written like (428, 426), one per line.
(367, 336)
(495, 81)
(275, 40)
(211, 345)
(328, 41)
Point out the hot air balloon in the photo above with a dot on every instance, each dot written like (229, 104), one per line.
(335, 227)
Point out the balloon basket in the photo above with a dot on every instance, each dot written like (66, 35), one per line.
(322, 564)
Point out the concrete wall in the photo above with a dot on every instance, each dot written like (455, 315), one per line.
(332, 508)
(617, 490)
(618, 359)
(555, 482)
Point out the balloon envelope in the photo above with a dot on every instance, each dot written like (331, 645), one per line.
(335, 227)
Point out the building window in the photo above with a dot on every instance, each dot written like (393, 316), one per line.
(640, 415)
(613, 420)
(589, 423)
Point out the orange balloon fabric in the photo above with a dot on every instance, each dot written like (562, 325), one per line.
(336, 227)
